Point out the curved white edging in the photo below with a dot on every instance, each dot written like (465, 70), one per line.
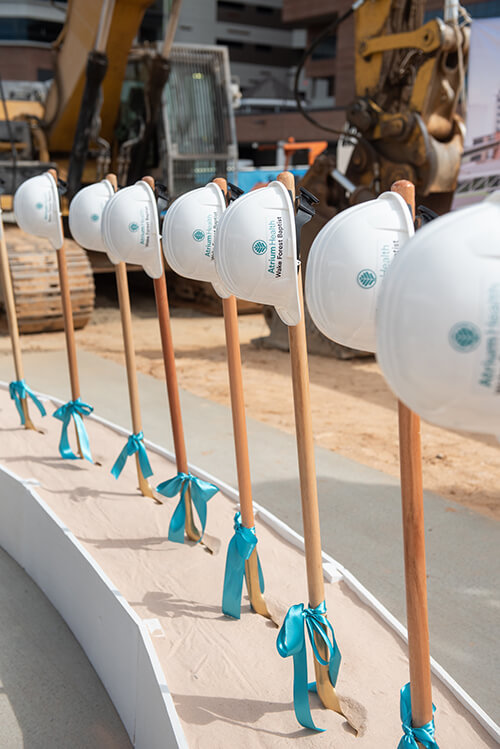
(332, 570)
(112, 635)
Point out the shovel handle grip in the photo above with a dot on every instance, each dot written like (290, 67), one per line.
(113, 181)
(222, 183)
(406, 189)
(288, 180)
(149, 181)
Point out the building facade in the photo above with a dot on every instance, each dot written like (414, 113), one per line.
(27, 31)
(265, 39)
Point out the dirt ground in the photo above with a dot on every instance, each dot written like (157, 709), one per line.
(354, 412)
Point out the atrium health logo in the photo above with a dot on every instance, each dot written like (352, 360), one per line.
(39, 206)
(259, 246)
(94, 217)
(198, 235)
(464, 337)
(366, 278)
(133, 226)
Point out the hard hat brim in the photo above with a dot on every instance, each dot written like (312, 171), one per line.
(151, 258)
(348, 246)
(89, 236)
(184, 262)
(55, 233)
(236, 225)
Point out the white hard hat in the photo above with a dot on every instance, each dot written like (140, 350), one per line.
(37, 209)
(347, 263)
(256, 250)
(438, 320)
(130, 228)
(85, 214)
(189, 231)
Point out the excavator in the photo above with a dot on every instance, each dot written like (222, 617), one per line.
(40, 135)
(406, 121)
(116, 106)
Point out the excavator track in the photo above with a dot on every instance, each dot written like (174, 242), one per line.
(33, 266)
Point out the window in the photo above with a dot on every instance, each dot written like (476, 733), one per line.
(29, 30)
(326, 49)
(223, 5)
(44, 74)
(248, 14)
(151, 26)
(323, 87)
(261, 54)
(231, 43)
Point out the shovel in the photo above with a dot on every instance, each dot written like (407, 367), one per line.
(167, 344)
(128, 346)
(69, 328)
(10, 309)
(414, 542)
(230, 310)
(309, 497)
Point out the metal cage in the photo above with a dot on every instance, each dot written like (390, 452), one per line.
(200, 134)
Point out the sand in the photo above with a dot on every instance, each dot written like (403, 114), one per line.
(354, 412)
(228, 683)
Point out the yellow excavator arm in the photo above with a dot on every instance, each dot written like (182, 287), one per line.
(409, 79)
(77, 39)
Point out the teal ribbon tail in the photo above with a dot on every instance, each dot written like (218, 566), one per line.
(201, 492)
(18, 391)
(424, 734)
(135, 444)
(74, 410)
(239, 550)
(292, 641)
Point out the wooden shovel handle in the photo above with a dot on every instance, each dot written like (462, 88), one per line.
(69, 328)
(113, 181)
(222, 183)
(287, 179)
(129, 350)
(406, 189)
(414, 541)
(167, 344)
(10, 304)
(305, 442)
(230, 311)
(307, 475)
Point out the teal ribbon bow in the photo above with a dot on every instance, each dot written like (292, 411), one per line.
(239, 550)
(19, 391)
(74, 410)
(423, 734)
(201, 492)
(135, 444)
(292, 641)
